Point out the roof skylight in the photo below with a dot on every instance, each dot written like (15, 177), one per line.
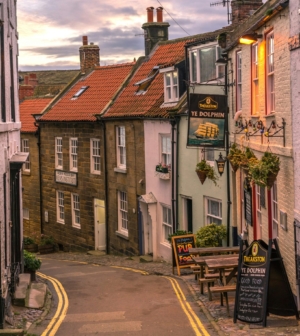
(79, 92)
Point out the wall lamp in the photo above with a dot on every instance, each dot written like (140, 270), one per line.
(221, 164)
(249, 38)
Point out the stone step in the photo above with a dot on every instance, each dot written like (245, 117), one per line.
(146, 258)
(36, 295)
(21, 290)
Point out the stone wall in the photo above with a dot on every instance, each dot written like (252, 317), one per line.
(90, 186)
(130, 181)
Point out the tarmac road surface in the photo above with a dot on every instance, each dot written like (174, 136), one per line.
(106, 300)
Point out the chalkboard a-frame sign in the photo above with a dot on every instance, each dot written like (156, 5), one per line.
(180, 251)
(262, 284)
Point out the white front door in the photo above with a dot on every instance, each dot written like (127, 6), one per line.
(100, 225)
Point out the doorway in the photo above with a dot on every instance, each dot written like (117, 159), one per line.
(100, 225)
(187, 214)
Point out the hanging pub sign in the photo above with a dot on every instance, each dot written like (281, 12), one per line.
(207, 120)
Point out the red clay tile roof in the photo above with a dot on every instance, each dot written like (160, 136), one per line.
(29, 107)
(103, 83)
(128, 104)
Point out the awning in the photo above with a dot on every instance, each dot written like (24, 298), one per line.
(148, 198)
(17, 160)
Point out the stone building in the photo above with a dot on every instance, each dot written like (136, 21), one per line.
(72, 155)
(31, 168)
(261, 119)
(11, 158)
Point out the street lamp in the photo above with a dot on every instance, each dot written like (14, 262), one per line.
(249, 38)
(221, 164)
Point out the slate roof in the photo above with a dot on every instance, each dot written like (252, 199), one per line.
(165, 54)
(29, 107)
(103, 83)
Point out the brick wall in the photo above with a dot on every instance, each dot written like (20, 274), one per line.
(90, 186)
(285, 188)
(89, 57)
(241, 9)
(127, 182)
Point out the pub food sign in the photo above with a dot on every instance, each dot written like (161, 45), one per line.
(207, 120)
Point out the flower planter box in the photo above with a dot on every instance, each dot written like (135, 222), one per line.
(44, 249)
(31, 248)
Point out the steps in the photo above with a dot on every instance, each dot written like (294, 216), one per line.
(30, 295)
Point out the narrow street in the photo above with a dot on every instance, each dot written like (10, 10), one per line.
(119, 301)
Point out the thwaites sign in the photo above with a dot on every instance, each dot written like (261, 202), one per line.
(207, 120)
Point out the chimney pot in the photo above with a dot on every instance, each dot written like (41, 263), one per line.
(150, 14)
(159, 14)
(84, 40)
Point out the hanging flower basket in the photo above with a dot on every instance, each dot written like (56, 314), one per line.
(271, 179)
(202, 176)
(234, 167)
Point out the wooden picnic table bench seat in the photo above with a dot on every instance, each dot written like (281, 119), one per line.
(223, 290)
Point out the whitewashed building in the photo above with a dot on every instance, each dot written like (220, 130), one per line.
(11, 157)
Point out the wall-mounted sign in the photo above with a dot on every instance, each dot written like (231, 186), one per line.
(207, 120)
(66, 177)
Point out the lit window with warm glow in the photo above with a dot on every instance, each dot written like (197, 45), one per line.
(270, 89)
(255, 88)
(239, 81)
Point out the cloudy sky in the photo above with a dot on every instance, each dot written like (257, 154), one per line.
(50, 32)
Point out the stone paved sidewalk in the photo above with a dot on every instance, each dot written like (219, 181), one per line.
(215, 313)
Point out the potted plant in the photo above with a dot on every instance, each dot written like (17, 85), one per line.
(29, 244)
(31, 264)
(47, 244)
(211, 235)
(162, 168)
(264, 172)
(235, 157)
(204, 170)
(247, 158)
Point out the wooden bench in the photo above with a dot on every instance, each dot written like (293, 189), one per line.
(223, 290)
(196, 270)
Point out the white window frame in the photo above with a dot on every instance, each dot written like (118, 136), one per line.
(255, 79)
(270, 80)
(210, 217)
(60, 206)
(275, 211)
(171, 87)
(195, 68)
(95, 156)
(258, 209)
(209, 156)
(26, 213)
(165, 147)
(76, 211)
(25, 149)
(239, 101)
(73, 154)
(166, 219)
(121, 147)
(123, 213)
(58, 153)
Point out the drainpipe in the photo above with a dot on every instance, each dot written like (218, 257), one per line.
(173, 122)
(38, 134)
(102, 123)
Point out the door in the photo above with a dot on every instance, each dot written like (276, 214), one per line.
(187, 223)
(100, 225)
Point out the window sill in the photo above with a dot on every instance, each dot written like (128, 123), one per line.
(255, 116)
(120, 170)
(76, 226)
(166, 244)
(59, 222)
(96, 173)
(122, 235)
(163, 176)
(271, 115)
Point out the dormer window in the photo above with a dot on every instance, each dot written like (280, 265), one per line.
(79, 92)
(145, 83)
(203, 68)
(171, 86)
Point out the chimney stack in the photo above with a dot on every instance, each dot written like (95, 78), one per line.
(159, 14)
(89, 55)
(243, 9)
(154, 31)
(150, 14)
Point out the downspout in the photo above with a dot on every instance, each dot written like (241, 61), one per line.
(173, 123)
(177, 175)
(102, 123)
(38, 133)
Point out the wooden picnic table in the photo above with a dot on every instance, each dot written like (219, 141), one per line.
(194, 251)
(222, 264)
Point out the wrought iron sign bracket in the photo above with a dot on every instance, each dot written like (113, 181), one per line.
(277, 129)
